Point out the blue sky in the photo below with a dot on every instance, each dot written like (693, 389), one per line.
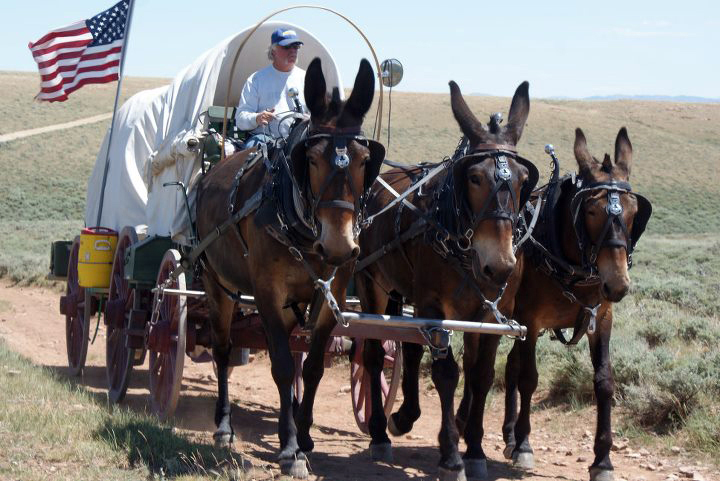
(569, 49)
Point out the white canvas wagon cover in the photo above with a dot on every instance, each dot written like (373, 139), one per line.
(151, 129)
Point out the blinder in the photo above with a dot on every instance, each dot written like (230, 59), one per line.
(641, 218)
(614, 211)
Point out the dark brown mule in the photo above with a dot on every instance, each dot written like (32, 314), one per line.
(277, 261)
(462, 253)
(573, 273)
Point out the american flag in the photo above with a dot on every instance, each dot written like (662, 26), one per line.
(86, 52)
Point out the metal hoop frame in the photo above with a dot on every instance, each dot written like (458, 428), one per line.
(315, 7)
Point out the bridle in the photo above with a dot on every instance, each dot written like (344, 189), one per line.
(502, 181)
(339, 138)
(614, 211)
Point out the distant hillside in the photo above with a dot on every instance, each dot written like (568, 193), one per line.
(658, 98)
(687, 99)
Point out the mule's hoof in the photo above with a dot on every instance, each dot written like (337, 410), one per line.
(445, 474)
(475, 469)
(296, 468)
(508, 451)
(381, 453)
(599, 474)
(223, 440)
(393, 428)
(523, 460)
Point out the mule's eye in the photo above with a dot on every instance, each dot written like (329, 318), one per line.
(366, 160)
(475, 179)
(313, 162)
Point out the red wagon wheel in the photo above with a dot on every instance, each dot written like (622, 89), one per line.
(118, 357)
(167, 339)
(360, 381)
(77, 319)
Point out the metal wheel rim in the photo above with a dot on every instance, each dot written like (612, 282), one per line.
(77, 331)
(166, 369)
(118, 358)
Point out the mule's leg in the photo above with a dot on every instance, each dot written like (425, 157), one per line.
(512, 371)
(277, 330)
(602, 468)
(373, 360)
(522, 455)
(313, 370)
(292, 461)
(373, 299)
(401, 421)
(221, 311)
(445, 376)
(469, 359)
(480, 379)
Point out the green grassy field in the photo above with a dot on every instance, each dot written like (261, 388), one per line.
(51, 428)
(664, 348)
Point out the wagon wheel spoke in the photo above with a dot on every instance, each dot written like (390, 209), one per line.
(384, 386)
(357, 373)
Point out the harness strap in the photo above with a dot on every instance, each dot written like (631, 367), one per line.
(535, 215)
(415, 229)
(250, 205)
(484, 147)
(584, 323)
(401, 197)
(249, 163)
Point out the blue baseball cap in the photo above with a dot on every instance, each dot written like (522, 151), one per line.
(284, 37)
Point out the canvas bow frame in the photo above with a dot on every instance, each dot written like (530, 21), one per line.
(378, 117)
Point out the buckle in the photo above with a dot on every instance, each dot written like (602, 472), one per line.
(297, 255)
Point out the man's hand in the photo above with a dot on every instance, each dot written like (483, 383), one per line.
(264, 117)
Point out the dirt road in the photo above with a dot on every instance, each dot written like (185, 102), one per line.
(31, 324)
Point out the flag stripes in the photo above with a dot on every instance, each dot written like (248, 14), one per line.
(81, 53)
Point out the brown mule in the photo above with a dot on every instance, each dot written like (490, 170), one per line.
(455, 248)
(575, 269)
(304, 230)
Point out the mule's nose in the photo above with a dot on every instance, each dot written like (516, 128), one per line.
(614, 294)
(499, 273)
(335, 259)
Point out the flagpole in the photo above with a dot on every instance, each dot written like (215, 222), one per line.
(126, 39)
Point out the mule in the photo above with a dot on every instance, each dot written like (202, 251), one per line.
(303, 232)
(575, 269)
(461, 253)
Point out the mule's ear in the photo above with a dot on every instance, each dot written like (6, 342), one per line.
(623, 151)
(469, 124)
(519, 111)
(315, 89)
(363, 91)
(583, 157)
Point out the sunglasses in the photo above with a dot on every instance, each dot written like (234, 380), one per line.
(293, 46)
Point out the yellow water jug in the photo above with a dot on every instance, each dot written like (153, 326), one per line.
(95, 257)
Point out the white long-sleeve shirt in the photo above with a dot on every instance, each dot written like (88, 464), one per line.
(267, 89)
